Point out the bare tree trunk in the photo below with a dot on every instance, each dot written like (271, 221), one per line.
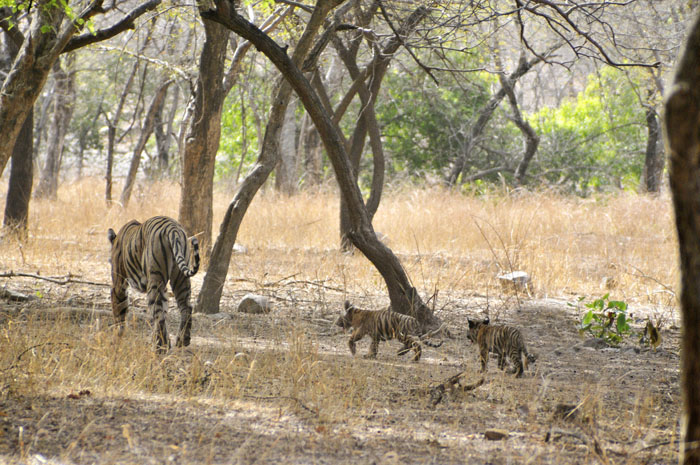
(286, 180)
(63, 101)
(202, 140)
(368, 122)
(532, 141)
(113, 124)
(403, 296)
(654, 159)
(683, 137)
(164, 130)
(459, 163)
(19, 190)
(146, 131)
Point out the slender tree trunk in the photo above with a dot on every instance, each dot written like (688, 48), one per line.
(164, 130)
(683, 138)
(532, 141)
(287, 178)
(146, 131)
(654, 159)
(459, 163)
(63, 101)
(19, 191)
(403, 296)
(202, 140)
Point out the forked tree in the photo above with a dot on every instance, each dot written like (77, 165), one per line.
(403, 296)
(683, 138)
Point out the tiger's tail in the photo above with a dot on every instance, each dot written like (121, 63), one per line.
(425, 336)
(179, 249)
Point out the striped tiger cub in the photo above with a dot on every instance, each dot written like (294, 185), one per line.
(501, 340)
(146, 256)
(385, 325)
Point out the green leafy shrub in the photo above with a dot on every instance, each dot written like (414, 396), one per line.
(606, 319)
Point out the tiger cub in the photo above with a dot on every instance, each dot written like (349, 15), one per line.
(501, 340)
(385, 325)
(146, 256)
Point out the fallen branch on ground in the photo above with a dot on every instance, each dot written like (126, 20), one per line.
(69, 278)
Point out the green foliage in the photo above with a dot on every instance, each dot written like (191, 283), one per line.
(425, 125)
(606, 319)
(596, 139)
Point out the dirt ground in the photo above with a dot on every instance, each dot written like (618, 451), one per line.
(579, 403)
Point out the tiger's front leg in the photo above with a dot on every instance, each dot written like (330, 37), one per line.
(120, 305)
(157, 304)
(484, 356)
(356, 336)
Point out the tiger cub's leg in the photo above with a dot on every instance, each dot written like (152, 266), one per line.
(356, 336)
(484, 356)
(120, 305)
(501, 360)
(373, 348)
(516, 358)
(181, 287)
(157, 304)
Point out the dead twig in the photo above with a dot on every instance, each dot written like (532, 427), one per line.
(69, 278)
(19, 357)
(301, 404)
(451, 384)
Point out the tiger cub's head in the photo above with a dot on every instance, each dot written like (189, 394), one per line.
(345, 321)
(474, 327)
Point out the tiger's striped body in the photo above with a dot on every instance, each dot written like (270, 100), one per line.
(501, 340)
(146, 256)
(384, 325)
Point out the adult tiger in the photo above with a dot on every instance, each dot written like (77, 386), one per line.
(501, 340)
(146, 256)
(385, 325)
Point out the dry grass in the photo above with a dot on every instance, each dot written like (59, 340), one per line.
(283, 386)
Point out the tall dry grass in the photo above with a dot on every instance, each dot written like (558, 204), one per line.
(446, 240)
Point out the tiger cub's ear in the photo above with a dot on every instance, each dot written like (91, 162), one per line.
(347, 304)
(111, 235)
(471, 323)
(486, 321)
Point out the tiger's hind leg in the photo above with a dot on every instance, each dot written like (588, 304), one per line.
(373, 348)
(157, 304)
(181, 287)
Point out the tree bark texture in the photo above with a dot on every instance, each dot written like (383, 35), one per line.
(146, 130)
(19, 191)
(654, 158)
(202, 139)
(63, 100)
(683, 138)
(403, 296)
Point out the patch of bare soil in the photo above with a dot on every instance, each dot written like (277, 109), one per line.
(577, 404)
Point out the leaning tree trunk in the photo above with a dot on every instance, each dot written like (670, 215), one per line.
(654, 158)
(19, 191)
(403, 296)
(63, 100)
(202, 140)
(683, 136)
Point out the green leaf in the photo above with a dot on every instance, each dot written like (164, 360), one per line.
(587, 319)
